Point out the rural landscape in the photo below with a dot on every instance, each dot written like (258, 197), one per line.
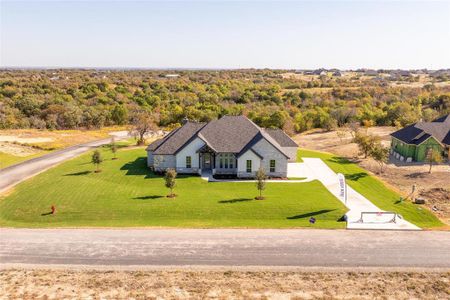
(224, 150)
(321, 112)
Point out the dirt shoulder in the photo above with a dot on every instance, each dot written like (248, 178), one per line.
(182, 284)
(23, 144)
(433, 187)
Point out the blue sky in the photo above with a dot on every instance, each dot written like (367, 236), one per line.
(225, 34)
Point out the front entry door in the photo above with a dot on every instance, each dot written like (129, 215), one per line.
(207, 161)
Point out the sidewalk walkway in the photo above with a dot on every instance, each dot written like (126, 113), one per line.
(356, 202)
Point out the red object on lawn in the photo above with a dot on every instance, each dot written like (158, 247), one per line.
(53, 209)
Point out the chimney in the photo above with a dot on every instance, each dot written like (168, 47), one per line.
(184, 121)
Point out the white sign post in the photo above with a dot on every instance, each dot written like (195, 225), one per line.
(342, 187)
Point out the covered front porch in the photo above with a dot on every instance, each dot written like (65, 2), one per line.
(217, 163)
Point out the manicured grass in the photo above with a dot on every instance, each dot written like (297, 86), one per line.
(375, 190)
(7, 160)
(126, 193)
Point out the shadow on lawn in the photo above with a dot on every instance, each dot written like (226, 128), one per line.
(340, 160)
(237, 200)
(356, 176)
(78, 173)
(148, 197)
(138, 167)
(314, 213)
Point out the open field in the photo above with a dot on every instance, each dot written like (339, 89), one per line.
(223, 284)
(22, 144)
(434, 187)
(126, 193)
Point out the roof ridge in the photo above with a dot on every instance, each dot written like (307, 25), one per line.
(165, 138)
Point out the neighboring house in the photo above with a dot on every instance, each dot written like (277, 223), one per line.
(229, 146)
(413, 142)
(320, 72)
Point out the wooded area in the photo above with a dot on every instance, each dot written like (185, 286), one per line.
(66, 99)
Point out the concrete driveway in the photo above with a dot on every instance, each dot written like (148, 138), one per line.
(15, 174)
(356, 203)
(224, 247)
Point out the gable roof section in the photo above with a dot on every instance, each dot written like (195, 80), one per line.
(178, 138)
(155, 144)
(261, 135)
(281, 137)
(229, 133)
(232, 134)
(419, 132)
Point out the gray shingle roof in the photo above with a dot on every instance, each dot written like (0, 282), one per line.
(155, 144)
(229, 134)
(281, 137)
(178, 138)
(419, 132)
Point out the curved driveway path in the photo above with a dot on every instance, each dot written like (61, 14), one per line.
(15, 174)
(225, 247)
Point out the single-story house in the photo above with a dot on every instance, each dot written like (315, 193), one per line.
(413, 142)
(229, 146)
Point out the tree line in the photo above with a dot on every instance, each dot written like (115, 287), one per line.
(67, 99)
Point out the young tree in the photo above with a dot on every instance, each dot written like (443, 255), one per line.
(260, 182)
(380, 154)
(169, 179)
(341, 133)
(143, 123)
(365, 143)
(97, 160)
(354, 128)
(433, 156)
(113, 147)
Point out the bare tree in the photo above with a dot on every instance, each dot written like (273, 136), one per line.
(341, 133)
(433, 156)
(354, 128)
(113, 147)
(142, 123)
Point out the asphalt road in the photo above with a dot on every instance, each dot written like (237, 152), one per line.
(15, 174)
(225, 247)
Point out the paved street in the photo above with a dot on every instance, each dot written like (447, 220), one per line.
(15, 174)
(225, 247)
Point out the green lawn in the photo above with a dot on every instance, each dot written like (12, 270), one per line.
(7, 160)
(375, 190)
(125, 193)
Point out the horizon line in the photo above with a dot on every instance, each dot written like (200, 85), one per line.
(204, 68)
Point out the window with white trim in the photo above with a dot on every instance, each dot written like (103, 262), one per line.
(249, 166)
(188, 162)
(226, 161)
(272, 165)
